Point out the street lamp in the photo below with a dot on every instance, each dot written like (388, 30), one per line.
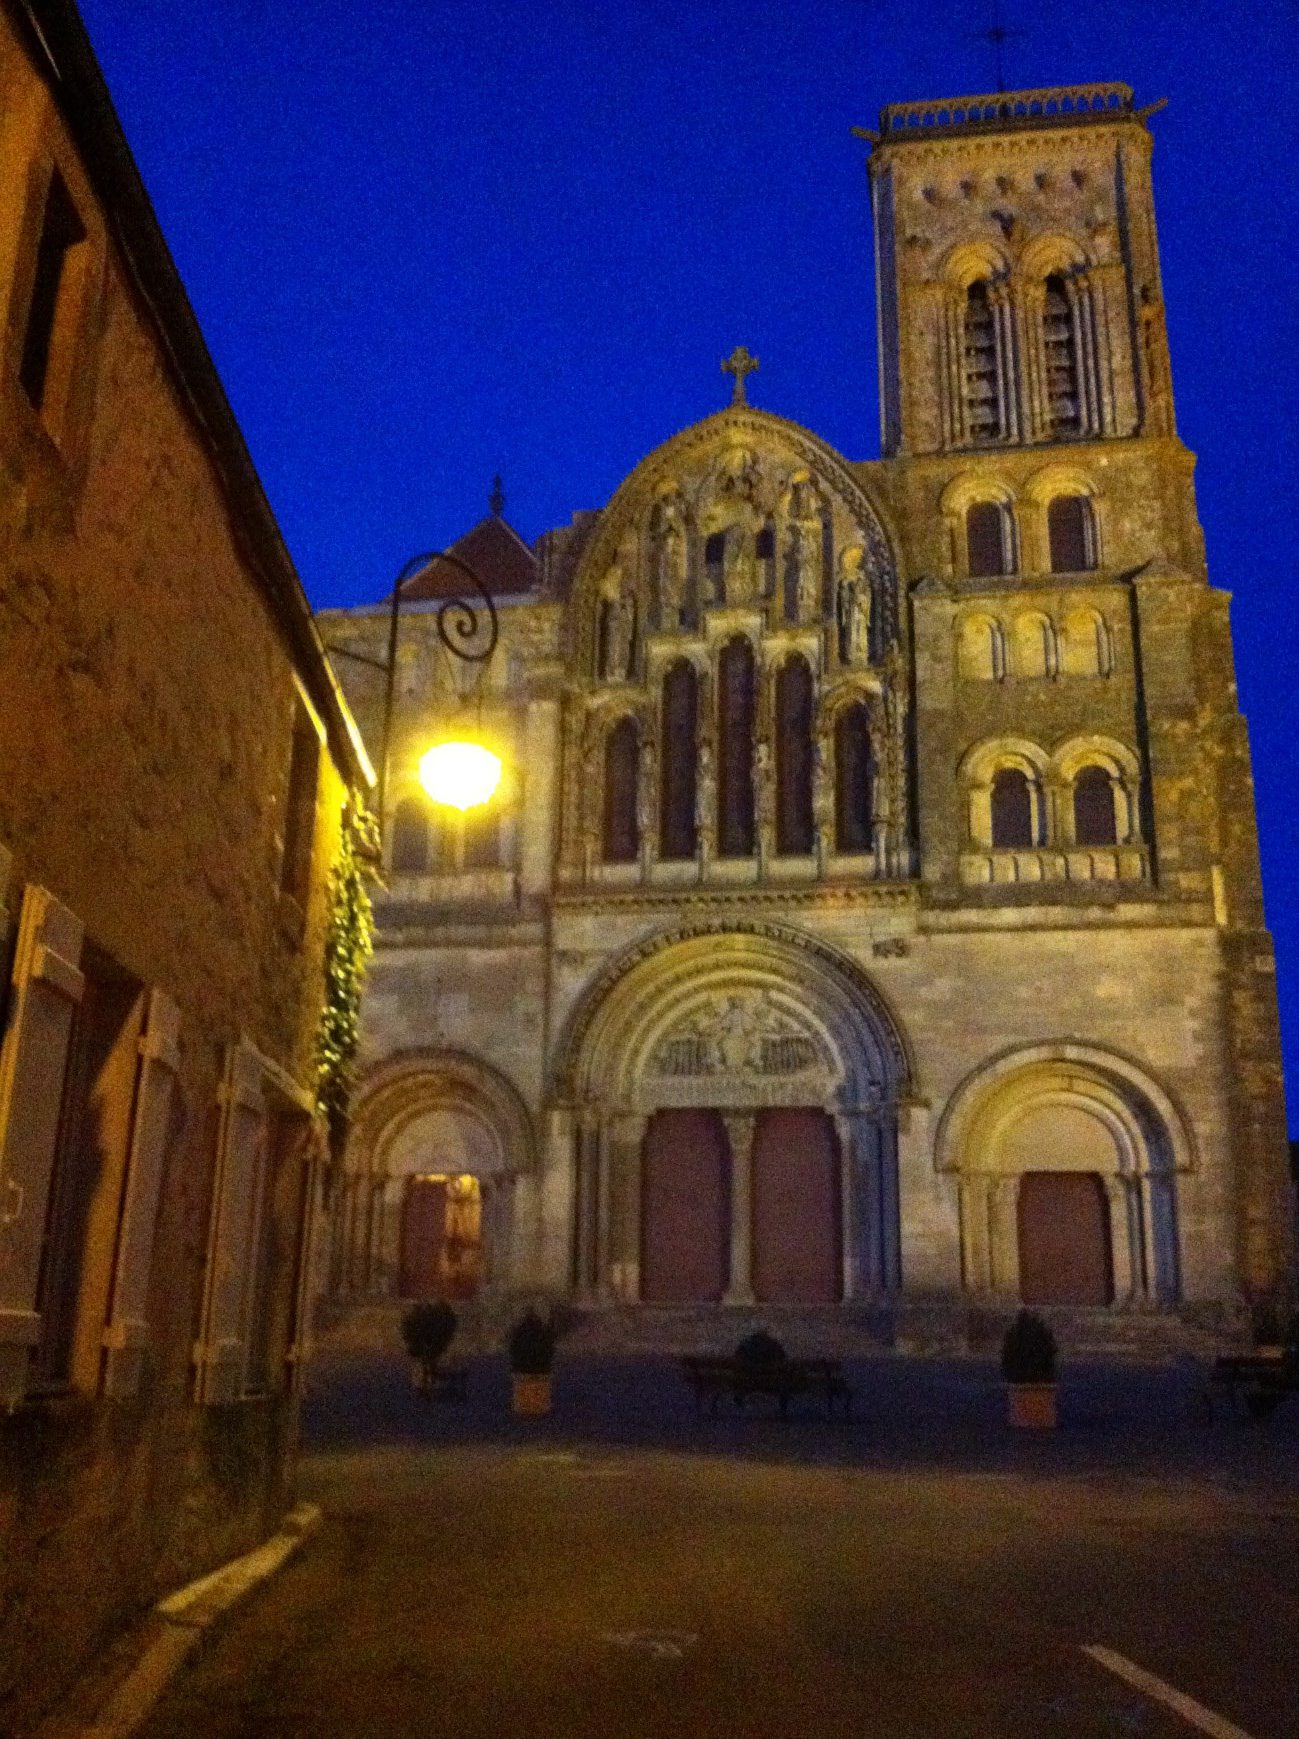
(457, 771)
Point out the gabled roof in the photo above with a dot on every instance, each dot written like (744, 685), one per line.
(494, 551)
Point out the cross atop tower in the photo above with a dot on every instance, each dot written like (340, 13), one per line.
(739, 363)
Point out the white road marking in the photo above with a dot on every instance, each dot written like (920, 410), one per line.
(1217, 1726)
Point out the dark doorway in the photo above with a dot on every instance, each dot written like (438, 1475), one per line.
(685, 1208)
(796, 1234)
(1064, 1239)
(441, 1252)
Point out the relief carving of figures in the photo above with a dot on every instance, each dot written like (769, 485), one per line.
(670, 564)
(853, 607)
(736, 1036)
(822, 791)
(617, 626)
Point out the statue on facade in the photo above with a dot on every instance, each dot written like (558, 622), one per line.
(617, 626)
(764, 794)
(822, 792)
(853, 606)
(705, 796)
(741, 564)
(806, 560)
(671, 565)
(646, 794)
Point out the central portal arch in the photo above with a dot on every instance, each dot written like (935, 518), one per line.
(734, 1099)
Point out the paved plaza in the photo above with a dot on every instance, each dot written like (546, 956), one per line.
(627, 1568)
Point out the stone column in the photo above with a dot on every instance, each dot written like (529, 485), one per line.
(739, 1133)
(856, 1221)
(623, 1146)
(584, 1202)
(1126, 1252)
(929, 1259)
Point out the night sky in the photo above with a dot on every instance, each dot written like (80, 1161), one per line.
(432, 239)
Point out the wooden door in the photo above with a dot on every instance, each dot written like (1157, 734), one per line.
(423, 1232)
(797, 1250)
(1064, 1239)
(685, 1208)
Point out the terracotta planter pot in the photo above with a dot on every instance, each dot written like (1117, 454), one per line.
(1032, 1406)
(531, 1395)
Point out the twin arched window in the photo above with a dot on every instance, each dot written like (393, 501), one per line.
(987, 372)
(990, 540)
(1019, 820)
(983, 411)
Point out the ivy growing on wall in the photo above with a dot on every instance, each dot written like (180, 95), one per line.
(348, 945)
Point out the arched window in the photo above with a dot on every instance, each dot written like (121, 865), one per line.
(735, 708)
(1035, 649)
(980, 649)
(620, 833)
(482, 837)
(1088, 650)
(853, 778)
(410, 838)
(794, 758)
(982, 389)
(1071, 534)
(680, 755)
(714, 566)
(1013, 810)
(1063, 398)
(1095, 819)
(987, 539)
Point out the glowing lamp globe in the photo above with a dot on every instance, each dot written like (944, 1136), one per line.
(461, 775)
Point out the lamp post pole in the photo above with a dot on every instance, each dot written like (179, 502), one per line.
(459, 626)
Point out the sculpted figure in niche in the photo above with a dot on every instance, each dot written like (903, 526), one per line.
(822, 790)
(806, 555)
(853, 607)
(741, 566)
(617, 626)
(670, 563)
(647, 796)
(705, 796)
(764, 791)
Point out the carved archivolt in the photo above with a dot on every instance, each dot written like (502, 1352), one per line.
(413, 1083)
(754, 1014)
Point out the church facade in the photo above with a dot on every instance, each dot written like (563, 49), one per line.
(870, 917)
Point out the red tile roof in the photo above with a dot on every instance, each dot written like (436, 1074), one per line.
(495, 552)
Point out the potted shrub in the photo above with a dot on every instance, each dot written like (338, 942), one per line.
(1028, 1360)
(428, 1329)
(532, 1355)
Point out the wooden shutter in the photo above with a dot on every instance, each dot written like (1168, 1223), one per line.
(47, 986)
(125, 1332)
(307, 1289)
(221, 1351)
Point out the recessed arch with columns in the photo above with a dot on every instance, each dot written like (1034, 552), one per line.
(1085, 1108)
(737, 1019)
(489, 1134)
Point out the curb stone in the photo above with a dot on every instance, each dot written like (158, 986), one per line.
(180, 1624)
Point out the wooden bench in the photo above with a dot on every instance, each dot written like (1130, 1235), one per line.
(712, 1376)
(1261, 1380)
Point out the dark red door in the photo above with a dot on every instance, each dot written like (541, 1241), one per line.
(423, 1231)
(1064, 1239)
(685, 1208)
(797, 1255)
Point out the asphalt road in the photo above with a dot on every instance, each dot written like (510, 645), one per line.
(625, 1570)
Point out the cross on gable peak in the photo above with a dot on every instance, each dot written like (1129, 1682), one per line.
(739, 363)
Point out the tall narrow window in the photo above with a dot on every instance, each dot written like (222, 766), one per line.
(714, 564)
(982, 392)
(1012, 810)
(853, 778)
(410, 838)
(300, 808)
(735, 704)
(794, 759)
(61, 231)
(1063, 399)
(680, 756)
(482, 837)
(1094, 819)
(1071, 535)
(986, 540)
(621, 835)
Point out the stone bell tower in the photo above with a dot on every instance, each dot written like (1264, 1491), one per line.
(1019, 296)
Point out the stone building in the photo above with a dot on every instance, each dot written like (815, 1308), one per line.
(174, 764)
(872, 918)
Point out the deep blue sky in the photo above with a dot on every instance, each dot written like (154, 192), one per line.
(431, 239)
